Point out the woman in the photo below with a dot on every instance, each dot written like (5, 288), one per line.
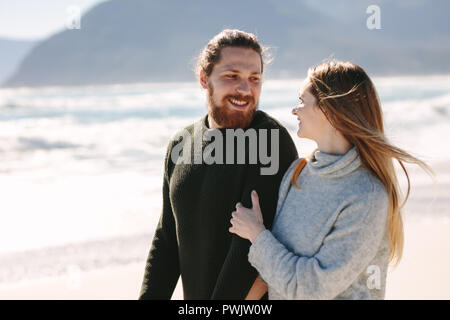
(338, 221)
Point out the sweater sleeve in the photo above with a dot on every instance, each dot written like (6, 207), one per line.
(162, 266)
(237, 275)
(347, 249)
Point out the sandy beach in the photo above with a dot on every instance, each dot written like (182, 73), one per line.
(421, 274)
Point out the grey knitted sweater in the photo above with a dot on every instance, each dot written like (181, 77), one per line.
(330, 238)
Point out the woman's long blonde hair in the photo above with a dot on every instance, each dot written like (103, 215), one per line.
(347, 96)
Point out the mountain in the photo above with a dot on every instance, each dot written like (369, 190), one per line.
(151, 40)
(11, 54)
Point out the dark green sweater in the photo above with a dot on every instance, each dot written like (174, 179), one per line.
(192, 237)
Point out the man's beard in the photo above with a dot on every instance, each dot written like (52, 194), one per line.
(233, 119)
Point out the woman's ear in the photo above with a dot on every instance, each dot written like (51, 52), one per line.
(203, 79)
(325, 113)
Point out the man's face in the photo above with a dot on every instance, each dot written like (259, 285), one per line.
(233, 88)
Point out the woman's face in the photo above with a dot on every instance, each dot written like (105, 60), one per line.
(311, 120)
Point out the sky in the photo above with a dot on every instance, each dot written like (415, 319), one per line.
(36, 19)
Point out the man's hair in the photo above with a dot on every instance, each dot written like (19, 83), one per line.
(210, 54)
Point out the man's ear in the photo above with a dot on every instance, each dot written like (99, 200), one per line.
(203, 79)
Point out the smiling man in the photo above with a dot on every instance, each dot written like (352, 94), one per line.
(192, 237)
(231, 101)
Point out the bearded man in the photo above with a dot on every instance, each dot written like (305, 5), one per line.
(192, 238)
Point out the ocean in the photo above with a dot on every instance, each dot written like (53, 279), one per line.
(81, 167)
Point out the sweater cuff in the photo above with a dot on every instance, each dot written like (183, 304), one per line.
(259, 248)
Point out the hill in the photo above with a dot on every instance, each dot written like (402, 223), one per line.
(150, 40)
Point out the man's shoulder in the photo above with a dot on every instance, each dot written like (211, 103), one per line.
(265, 121)
(187, 130)
(286, 144)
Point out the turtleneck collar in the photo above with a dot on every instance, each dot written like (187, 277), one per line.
(334, 165)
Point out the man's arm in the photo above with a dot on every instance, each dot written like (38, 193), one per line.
(258, 290)
(162, 268)
(237, 275)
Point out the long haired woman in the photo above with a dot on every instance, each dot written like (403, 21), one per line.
(338, 222)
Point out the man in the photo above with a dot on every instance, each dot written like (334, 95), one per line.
(202, 185)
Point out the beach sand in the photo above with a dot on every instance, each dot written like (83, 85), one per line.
(115, 283)
(423, 273)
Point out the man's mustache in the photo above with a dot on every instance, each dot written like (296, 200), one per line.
(249, 98)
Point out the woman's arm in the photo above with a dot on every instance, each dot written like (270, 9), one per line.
(344, 255)
(247, 223)
(258, 290)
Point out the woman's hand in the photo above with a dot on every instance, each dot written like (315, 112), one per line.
(247, 223)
